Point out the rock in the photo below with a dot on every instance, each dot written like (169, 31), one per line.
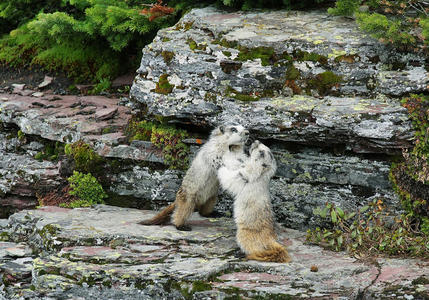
(46, 81)
(248, 60)
(18, 86)
(38, 94)
(105, 114)
(18, 251)
(160, 261)
(19, 174)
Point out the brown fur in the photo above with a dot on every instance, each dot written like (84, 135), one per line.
(261, 244)
(163, 217)
(253, 213)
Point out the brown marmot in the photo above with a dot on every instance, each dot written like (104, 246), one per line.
(253, 212)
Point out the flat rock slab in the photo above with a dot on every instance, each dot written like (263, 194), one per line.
(96, 120)
(213, 81)
(104, 247)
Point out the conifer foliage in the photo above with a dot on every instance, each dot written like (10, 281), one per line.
(89, 39)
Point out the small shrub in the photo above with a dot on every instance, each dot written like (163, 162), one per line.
(89, 40)
(85, 158)
(170, 141)
(164, 137)
(365, 232)
(344, 7)
(86, 188)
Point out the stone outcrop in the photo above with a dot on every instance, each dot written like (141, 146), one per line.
(313, 87)
(292, 76)
(103, 253)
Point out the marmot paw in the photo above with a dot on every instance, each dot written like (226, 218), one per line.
(184, 228)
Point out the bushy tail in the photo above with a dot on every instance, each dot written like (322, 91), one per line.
(163, 217)
(277, 254)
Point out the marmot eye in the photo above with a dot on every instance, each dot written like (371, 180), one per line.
(233, 129)
(261, 153)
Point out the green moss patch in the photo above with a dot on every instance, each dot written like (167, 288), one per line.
(168, 56)
(265, 54)
(310, 56)
(163, 86)
(195, 46)
(323, 82)
(85, 158)
(230, 92)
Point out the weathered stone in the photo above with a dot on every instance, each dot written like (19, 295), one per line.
(151, 259)
(17, 272)
(63, 119)
(154, 187)
(106, 113)
(208, 93)
(19, 175)
(46, 81)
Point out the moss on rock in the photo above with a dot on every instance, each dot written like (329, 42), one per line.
(163, 86)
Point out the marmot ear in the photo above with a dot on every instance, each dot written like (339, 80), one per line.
(222, 129)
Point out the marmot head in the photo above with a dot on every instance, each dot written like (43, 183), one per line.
(261, 156)
(232, 134)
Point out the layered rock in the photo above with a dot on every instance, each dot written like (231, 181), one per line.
(103, 252)
(215, 67)
(313, 87)
(320, 92)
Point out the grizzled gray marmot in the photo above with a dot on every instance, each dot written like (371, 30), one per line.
(200, 185)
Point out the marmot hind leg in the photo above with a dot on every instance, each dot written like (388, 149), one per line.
(206, 209)
(185, 206)
(276, 253)
(261, 245)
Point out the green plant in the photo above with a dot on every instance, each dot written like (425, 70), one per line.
(51, 151)
(85, 158)
(266, 54)
(139, 130)
(86, 188)
(102, 86)
(410, 178)
(16, 12)
(365, 233)
(170, 141)
(323, 82)
(344, 7)
(164, 137)
(91, 40)
(21, 135)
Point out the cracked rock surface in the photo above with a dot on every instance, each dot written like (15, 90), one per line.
(102, 252)
(302, 77)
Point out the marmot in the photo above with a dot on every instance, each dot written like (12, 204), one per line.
(200, 185)
(253, 213)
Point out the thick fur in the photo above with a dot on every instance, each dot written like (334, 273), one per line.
(200, 185)
(253, 212)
